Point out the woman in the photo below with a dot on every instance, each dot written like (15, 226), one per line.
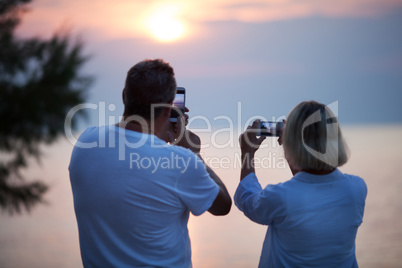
(313, 217)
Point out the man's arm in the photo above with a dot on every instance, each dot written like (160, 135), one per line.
(223, 201)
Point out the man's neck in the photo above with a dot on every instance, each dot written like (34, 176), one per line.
(145, 127)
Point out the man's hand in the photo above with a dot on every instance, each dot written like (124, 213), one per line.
(175, 130)
(189, 140)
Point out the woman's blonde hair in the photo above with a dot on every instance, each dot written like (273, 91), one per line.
(312, 138)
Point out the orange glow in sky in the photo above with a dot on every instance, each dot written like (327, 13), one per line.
(164, 24)
(170, 20)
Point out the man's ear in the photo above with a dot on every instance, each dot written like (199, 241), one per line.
(166, 110)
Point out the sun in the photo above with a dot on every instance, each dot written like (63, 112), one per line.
(165, 26)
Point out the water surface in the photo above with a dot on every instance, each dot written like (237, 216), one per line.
(48, 236)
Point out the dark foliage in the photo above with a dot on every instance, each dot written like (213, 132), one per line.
(39, 83)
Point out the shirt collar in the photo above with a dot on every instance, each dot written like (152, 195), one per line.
(312, 178)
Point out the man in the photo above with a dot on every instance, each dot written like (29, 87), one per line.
(132, 196)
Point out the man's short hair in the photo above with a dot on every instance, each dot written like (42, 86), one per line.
(149, 82)
(312, 138)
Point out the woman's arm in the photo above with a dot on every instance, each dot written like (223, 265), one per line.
(249, 144)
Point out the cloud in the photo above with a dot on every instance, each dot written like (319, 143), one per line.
(269, 10)
(100, 17)
(127, 17)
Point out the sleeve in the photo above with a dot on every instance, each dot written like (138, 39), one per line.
(263, 206)
(360, 195)
(196, 189)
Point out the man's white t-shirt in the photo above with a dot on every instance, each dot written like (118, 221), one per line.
(132, 198)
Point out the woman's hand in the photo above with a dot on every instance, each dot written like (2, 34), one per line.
(280, 140)
(249, 144)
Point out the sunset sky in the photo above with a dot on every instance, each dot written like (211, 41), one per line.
(262, 56)
(238, 60)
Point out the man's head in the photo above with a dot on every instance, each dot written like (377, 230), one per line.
(149, 82)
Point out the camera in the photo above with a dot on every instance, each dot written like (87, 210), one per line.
(179, 104)
(270, 129)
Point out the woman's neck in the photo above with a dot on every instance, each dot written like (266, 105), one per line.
(319, 172)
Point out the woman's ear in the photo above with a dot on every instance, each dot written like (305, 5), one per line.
(124, 96)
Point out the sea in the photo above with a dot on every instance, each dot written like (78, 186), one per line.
(47, 236)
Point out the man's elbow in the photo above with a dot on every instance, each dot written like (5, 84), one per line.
(225, 210)
(221, 206)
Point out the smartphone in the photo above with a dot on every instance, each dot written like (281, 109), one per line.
(270, 129)
(179, 104)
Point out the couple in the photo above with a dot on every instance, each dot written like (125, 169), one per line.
(135, 215)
